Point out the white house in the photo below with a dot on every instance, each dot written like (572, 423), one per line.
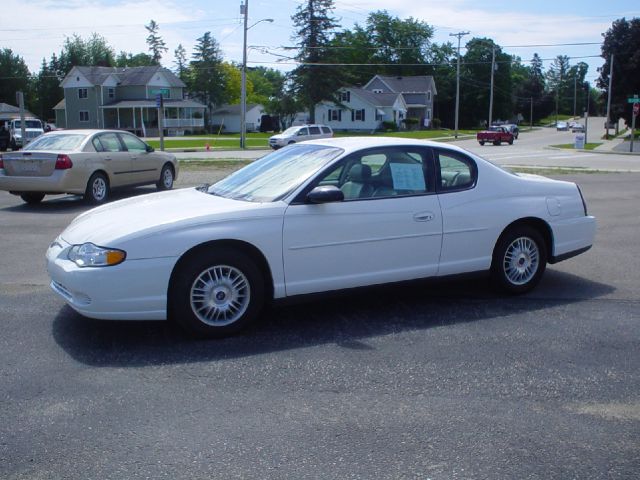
(361, 109)
(229, 117)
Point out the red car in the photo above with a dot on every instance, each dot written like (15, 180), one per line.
(496, 135)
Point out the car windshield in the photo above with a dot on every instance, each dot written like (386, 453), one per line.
(276, 175)
(57, 143)
(291, 131)
(495, 129)
(28, 124)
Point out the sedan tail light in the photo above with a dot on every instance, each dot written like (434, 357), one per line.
(63, 162)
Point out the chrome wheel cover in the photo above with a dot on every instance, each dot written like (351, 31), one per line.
(167, 178)
(220, 295)
(99, 188)
(521, 261)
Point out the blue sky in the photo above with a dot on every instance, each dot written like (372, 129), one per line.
(37, 28)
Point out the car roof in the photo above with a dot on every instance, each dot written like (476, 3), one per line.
(85, 131)
(358, 143)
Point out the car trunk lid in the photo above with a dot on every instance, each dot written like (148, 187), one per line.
(29, 164)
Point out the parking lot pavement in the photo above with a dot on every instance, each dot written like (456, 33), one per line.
(439, 380)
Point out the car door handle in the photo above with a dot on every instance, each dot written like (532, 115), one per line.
(108, 158)
(423, 217)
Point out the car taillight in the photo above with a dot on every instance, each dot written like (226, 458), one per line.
(63, 162)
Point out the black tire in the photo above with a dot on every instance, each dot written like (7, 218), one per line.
(511, 141)
(481, 142)
(166, 177)
(496, 143)
(216, 293)
(32, 198)
(519, 260)
(292, 141)
(97, 190)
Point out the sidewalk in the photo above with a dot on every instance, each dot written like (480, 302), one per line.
(618, 146)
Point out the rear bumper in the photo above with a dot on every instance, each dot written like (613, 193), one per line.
(61, 181)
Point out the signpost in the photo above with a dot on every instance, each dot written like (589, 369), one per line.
(636, 110)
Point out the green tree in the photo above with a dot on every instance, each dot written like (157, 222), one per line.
(14, 76)
(94, 51)
(206, 77)
(48, 89)
(313, 81)
(125, 59)
(557, 77)
(621, 41)
(155, 42)
(180, 55)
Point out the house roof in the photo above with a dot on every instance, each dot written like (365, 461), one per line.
(61, 105)
(233, 109)
(7, 110)
(410, 84)
(376, 99)
(127, 75)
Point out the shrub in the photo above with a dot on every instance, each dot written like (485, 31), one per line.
(389, 126)
(436, 123)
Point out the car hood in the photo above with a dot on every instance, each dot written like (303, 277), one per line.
(118, 222)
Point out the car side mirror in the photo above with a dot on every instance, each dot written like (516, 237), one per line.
(149, 149)
(325, 194)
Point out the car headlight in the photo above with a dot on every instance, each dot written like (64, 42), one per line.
(90, 255)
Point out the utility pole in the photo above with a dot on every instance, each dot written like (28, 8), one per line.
(609, 96)
(575, 79)
(244, 10)
(558, 97)
(531, 115)
(493, 69)
(459, 35)
(586, 114)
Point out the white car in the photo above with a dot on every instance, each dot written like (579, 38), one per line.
(299, 134)
(84, 162)
(323, 215)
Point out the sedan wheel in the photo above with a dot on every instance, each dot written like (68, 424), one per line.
(166, 178)
(217, 293)
(97, 189)
(32, 198)
(481, 142)
(519, 260)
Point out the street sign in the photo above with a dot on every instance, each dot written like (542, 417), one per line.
(633, 99)
(159, 100)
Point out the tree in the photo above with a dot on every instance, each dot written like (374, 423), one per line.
(14, 76)
(313, 81)
(180, 55)
(621, 41)
(155, 42)
(95, 51)
(206, 74)
(48, 89)
(125, 59)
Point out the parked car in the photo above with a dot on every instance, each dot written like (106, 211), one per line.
(562, 126)
(321, 215)
(84, 162)
(299, 134)
(496, 135)
(577, 127)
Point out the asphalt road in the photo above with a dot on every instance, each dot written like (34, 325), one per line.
(422, 380)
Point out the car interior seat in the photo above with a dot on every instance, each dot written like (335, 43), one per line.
(358, 185)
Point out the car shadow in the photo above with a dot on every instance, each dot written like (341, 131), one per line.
(74, 203)
(347, 319)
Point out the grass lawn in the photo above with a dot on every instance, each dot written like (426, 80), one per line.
(262, 139)
(570, 146)
(551, 119)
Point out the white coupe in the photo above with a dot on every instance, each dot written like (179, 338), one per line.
(312, 217)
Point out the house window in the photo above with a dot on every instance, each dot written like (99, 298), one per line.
(165, 92)
(345, 96)
(377, 90)
(429, 96)
(111, 92)
(335, 115)
(83, 93)
(428, 116)
(357, 115)
(84, 116)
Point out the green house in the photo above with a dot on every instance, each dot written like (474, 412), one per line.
(126, 98)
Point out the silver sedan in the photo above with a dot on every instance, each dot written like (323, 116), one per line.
(84, 162)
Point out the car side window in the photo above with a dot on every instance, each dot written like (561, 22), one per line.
(133, 144)
(97, 144)
(303, 132)
(314, 130)
(457, 171)
(326, 130)
(381, 173)
(110, 142)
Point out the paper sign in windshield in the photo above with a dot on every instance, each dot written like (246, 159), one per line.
(407, 176)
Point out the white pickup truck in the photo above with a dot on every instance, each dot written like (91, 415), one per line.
(12, 134)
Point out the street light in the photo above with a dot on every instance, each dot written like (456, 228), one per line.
(244, 10)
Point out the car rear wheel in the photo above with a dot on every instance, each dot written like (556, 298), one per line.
(481, 142)
(166, 178)
(511, 141)
(32, 198)
(496, 142)
(519, 260)
(216, 293)
(97, 189)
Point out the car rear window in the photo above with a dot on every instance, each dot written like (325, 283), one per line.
(56, 143)
(326, 130)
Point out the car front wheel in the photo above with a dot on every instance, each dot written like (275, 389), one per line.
(216, 293)
(32, 198)
(519, 260)
(481, 142)
(166, 178)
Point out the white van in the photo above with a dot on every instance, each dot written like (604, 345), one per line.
(299, 134)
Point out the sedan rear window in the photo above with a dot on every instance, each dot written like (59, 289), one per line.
(57, 142)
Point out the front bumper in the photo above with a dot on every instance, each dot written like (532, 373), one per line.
(132, 290)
